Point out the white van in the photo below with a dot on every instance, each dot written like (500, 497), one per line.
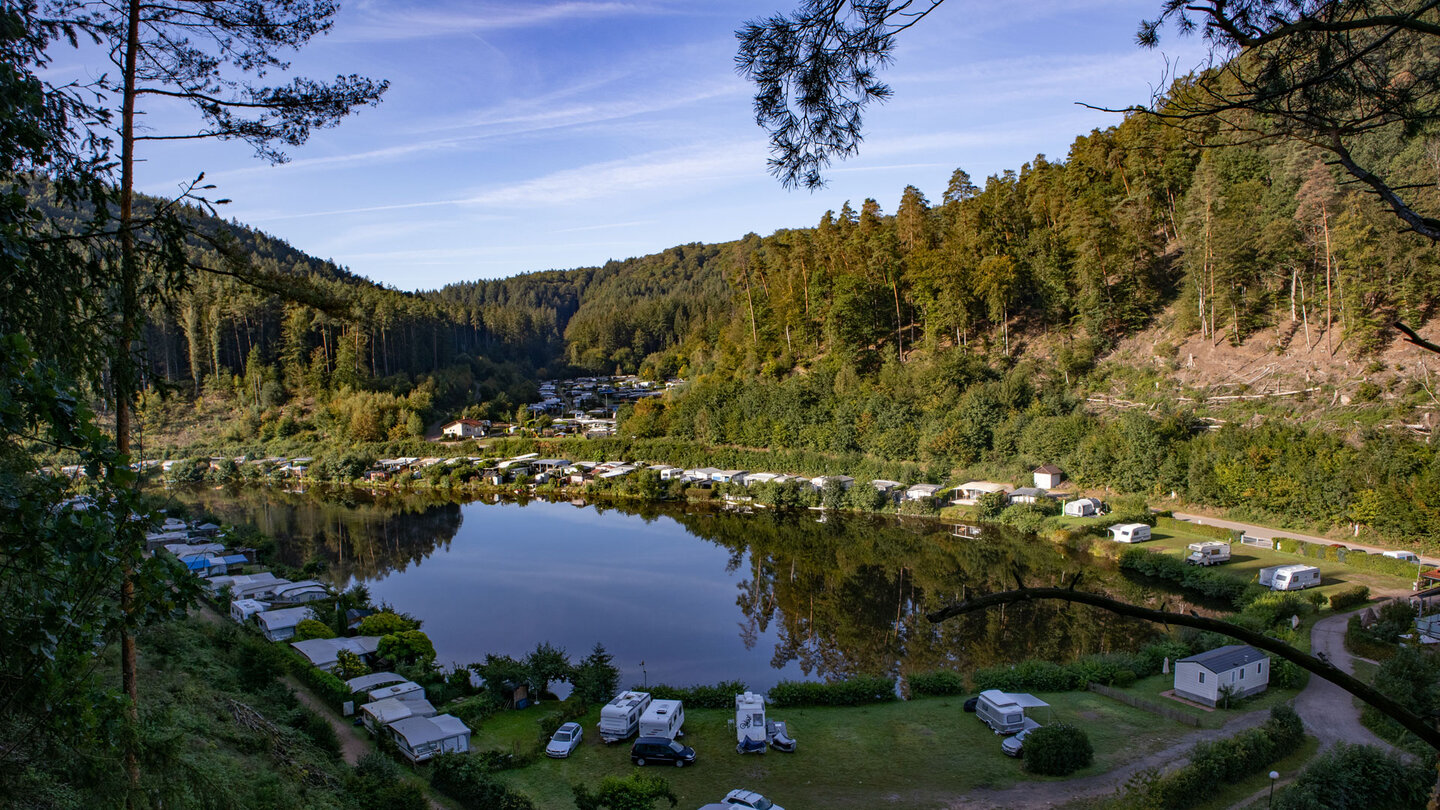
(1407, 556)
(663, 718)
(750, 733)
(620, 718)
(1130, 532)
(1210, 552)
(1292, 577)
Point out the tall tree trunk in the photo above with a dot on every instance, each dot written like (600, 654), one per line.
(125, 376)
(1325, 226)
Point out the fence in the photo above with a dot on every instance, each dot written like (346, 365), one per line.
(1151, 706)
(1247, 540)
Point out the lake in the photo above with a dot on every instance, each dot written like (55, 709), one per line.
(687, 595)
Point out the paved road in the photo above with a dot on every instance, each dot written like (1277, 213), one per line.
(1329, 712)
(1266, 533)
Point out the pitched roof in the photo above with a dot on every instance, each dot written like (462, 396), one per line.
(1224, 659)
(1048, 469)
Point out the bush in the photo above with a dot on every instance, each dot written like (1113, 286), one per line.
(1033, 676)
(853, 692)
(1057, 750)
(550, 723)
(329, 688)
(719, 696)
(1214, 765)
(378, 783)
(1349, 598)
(1206, 581)
(476, 710)
(466, 780)
(312, 628)
(940, 683)
(1366, 777)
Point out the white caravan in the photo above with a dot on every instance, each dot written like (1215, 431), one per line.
(1292, 577)
(1004, 712)
(1210, 552)
(750, 723)
(1130, 532)
(1407, 556)
(620, 718)
(663, 718)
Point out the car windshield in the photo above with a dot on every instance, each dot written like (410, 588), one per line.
(561, 736)
(676, 747)
(763, 803)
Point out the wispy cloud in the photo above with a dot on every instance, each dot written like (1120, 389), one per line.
(607, 226)
(382, 23)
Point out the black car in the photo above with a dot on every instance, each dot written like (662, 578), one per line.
(661, 749)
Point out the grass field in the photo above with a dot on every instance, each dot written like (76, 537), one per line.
(1151, 688)
(915, 754)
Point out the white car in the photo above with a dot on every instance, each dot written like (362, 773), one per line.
(565, 740)
(1015, 746)
(749, 798)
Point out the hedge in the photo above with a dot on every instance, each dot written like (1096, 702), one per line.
(1206, 581)
(1214, 765)
(1350, 597)
(1353, 558)
(717, 696)
(852, 692)
(940, 683)
(1058, 749)
(328, 687)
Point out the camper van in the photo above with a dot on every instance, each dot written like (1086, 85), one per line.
(750, 723)
(663, 718)
(1004, 712)
(1130, 532)
(1407, 556)
(1289, 577)
(1211, 552)
(620, 717)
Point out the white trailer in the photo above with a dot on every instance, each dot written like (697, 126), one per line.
(1004, 712)
(620, 718)
(663, 718)
(1407, 556)
(1210, 552)
(1130, 532)
(750, 723)
(1291, 577)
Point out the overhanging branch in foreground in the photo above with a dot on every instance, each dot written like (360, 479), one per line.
(1412, 722)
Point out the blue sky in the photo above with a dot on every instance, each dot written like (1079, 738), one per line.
(536, 135)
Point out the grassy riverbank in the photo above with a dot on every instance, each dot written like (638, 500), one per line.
(913, 754)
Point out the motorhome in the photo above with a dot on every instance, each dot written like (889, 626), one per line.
(1004, 712)
(1130, 532)
(1407, 556)
(750, 723)
(663, 718)
(620, 718)
(1210, 552)
(1292, 577)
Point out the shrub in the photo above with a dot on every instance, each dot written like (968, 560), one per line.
(330, 688)
(318, 729)
(1367, 777)
(852, 692)
(1059, 749)
(378, 783)
(476, 710)
(940, 683)
(312, 628)
(1206, 581)
(1216, 764)
(1034, 676)
(550, 723)
(1349, 598)
(386, 622)
(719, 696)
(466, 780)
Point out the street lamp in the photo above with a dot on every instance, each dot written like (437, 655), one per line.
(1273, 776)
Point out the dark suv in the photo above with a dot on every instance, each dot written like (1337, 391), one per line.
(661, 749)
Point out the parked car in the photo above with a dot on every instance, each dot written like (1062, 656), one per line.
(564, 741)
(749, 798)
(661, 750)
(972, 703)
(1015, 745)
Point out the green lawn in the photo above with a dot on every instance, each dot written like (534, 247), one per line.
(1246, 562)
(1151, 688)
(915, 754)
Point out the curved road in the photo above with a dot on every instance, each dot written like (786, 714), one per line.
(1329, 713)
(1267, 533)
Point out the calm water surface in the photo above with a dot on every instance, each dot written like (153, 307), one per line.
(697, 596)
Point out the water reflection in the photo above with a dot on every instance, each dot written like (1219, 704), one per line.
(699, 595)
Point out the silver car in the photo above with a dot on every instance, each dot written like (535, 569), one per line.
(565, 740)
(751, 799)
(1015, 745)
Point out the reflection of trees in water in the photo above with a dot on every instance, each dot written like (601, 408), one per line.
(849, 596)
(359, 534)
(844, 597)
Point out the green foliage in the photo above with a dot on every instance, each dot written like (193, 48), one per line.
(411, 647)
(500, 674)
(470, 783)
(474, 711)
(714, 696)
(1216, 764)
(638, 791)
(386, 622)
(1058, 749)
(378, 783)
(312, 628)
(328, 687)
(348, 665)
(1411, 678)
(1356, 776)
(550, 723)
(596, 677)
(1349, 598)
(940, 683)
(852, 692)
(544, 664)
(1215, 584)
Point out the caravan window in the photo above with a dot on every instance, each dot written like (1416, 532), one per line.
(1260, 667)
(1202, 677)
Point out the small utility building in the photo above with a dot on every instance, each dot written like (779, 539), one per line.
(1236, 669)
